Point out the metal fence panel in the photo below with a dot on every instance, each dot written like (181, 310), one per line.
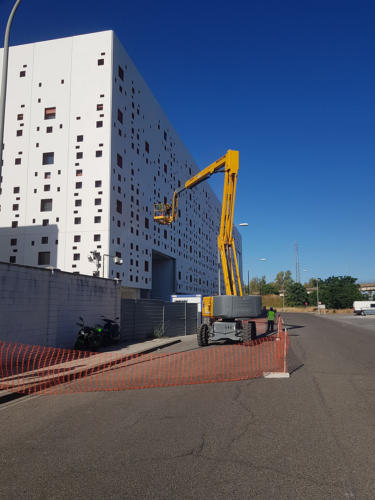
(141, 318)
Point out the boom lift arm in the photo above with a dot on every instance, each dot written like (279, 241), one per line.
(166, 214)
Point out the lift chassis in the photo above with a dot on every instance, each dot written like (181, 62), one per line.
(238, 330)
(229, 317)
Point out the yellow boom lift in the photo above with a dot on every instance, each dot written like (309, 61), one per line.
(229, 316)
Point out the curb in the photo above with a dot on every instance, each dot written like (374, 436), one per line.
(9, 395)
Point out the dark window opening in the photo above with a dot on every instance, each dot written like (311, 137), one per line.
(49, 113)
(48, 158)
(46, 205)
(44, 258)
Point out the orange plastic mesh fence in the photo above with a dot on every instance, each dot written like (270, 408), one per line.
(28, 369)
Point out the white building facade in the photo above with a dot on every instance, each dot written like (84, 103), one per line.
(87, 152)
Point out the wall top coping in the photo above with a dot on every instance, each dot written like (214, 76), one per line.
(53, 270)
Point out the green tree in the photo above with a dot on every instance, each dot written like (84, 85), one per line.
(254, 286)
(339, 292)
(270, 289)
(312, 298)
(296, 295)
(257, 285)
(283, 279)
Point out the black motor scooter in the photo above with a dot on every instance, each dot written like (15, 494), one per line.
(88, 338)
(110, 331)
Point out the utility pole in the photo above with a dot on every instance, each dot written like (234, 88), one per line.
(4, 78)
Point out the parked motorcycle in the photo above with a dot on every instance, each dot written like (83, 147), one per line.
(110, 331)
(88, 338)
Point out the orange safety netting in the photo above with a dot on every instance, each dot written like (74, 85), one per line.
(28, 369)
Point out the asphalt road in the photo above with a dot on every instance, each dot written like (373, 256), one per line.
(310, 436)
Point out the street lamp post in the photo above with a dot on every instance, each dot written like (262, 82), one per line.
(4, 78)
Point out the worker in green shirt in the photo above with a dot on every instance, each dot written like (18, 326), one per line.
(271, 320)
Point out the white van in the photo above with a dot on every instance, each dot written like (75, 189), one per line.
(364, 307)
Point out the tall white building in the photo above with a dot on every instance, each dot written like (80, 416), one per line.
(87, 152)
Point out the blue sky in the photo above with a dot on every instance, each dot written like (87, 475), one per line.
(289, 84)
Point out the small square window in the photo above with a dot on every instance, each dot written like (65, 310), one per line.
(76, 256)
(19, 133)
(77, 220)
(99, 107)
(46, 205)
(78, 185)
(45, 222)
(20, 116)
(49, 130)
(98, 201)
(48, 158)
(14, 223)
(49, 113)
(47, 187)
(13, 242)
(22, 74)
(44, 240)
(99, 124)
(47, 175)
(16, 190)
(100, 62)
(15, 207)
(119, 116)
(79, 138)
(78, 203)
(96, 237)
(78, 173)
(12, 259)
(98, 153)
(97, 219)
(77, 238)
(79, 155)
(98, 184)
(17, 161)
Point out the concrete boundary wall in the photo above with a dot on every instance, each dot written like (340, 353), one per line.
(41, 306)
